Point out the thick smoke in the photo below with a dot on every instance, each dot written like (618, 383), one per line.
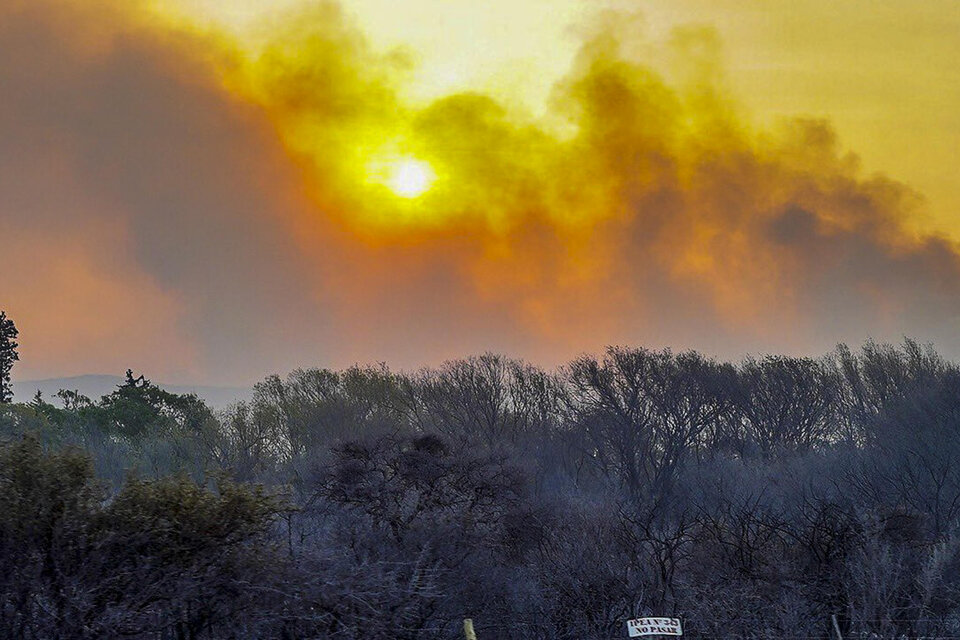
(143, 207)
(175, 202)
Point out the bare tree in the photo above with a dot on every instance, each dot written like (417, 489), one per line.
(640, 413)
(788, 404)
(487, 399)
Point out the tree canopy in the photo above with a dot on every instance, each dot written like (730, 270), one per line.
(8, 355)
(754, 499)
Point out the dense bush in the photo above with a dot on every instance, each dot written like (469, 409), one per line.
(755, 500)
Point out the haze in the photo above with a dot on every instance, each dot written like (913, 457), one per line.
(210, 192)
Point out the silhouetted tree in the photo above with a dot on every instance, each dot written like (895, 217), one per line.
(787, 404)
(8, 355)
(640, 414)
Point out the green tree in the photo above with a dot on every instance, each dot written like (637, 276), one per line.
(8, 355)
(139, 408)
(167, 558)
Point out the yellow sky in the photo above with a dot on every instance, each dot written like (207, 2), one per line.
(884, 72)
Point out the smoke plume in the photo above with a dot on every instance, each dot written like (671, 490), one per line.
(173, 201)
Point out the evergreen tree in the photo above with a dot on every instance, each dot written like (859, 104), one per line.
(8, 355)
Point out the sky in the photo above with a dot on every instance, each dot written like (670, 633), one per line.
(210, 192)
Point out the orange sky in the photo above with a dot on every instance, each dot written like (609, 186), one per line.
(213, 192)
(883, 73)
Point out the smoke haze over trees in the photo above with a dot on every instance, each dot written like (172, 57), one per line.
(210, 206)
(752, 499)
(164, 178)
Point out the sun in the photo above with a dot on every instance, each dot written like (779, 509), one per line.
(409, 177)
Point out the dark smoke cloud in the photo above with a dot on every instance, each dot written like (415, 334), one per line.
(119, 146)
(170, 202)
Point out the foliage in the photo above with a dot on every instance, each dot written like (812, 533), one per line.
(8, 355)
(158, 556)
(755, 500)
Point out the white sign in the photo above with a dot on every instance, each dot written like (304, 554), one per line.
(654, 627)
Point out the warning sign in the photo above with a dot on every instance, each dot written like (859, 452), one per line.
(654, 627)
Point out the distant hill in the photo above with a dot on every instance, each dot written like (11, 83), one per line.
(95, 386)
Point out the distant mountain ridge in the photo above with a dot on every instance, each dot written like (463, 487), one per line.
(95, 386)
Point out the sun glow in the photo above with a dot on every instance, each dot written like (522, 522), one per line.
(410, 178)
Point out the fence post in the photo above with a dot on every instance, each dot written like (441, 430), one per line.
(468, 629)
(836, 626)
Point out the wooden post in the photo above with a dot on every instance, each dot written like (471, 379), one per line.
(468, 629)
(836, 626)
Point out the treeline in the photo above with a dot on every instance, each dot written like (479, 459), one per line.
(754, 500)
